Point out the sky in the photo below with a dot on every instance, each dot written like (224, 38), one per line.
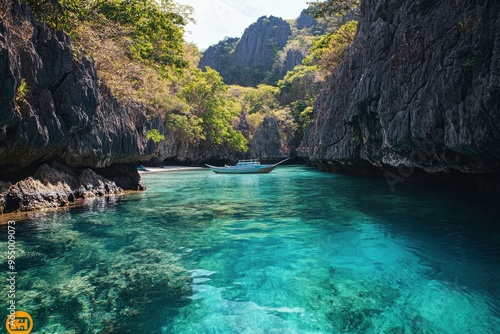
(216, 19)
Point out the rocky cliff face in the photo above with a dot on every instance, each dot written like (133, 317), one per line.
(293, 57)
(54, 109)
(306, 21)
(219, 57)
(266, 143)
(417, 97)
(260, 42)
(248, 61)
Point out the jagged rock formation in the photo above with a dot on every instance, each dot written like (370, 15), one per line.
(249, 60)
(178, 151)
(266, 141)
(219, 56)
(258, 46)
(306, 21)
(417, 96)
(292, 58)
(53, 108)
(52, 188)
(266, 51)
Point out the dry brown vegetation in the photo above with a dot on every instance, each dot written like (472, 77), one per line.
(128, 79)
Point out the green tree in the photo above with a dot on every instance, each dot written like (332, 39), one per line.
(208, 98)
(256, 100)
(185, 127)
(60, 14)
(156, 26)
(301, 83)
(327, 52)
(298, 90)
(331, 8)
(155, 135)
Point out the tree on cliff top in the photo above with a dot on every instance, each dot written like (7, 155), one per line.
(333, 8)
(155, 27)
(211, 107)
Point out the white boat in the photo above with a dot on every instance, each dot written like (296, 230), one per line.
(250, 166)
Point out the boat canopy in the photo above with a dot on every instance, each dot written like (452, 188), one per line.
(248, 162)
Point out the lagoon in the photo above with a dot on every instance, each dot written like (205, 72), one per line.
(293, 251)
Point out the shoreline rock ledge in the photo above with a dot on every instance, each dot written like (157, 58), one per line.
(63, 135)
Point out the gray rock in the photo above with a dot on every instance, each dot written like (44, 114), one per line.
(266, 143)
(293, 57)
(53, 187)
(249, 60)
(417, 95)
(306, 21)
(219, 56)
(68, 115)
(176, 150)
(260, 41)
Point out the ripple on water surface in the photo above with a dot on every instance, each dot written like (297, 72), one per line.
(293, 251)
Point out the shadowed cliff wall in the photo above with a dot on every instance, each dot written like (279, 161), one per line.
(417, 96)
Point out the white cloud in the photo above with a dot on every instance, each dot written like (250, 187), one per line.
(216, 19)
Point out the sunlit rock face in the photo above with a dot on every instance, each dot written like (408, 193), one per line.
(417, 96)
(54, 108)
(247, 61)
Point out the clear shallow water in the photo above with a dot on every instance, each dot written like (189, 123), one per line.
(293, 251)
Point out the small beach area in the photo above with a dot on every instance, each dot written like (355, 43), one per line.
(164, 169)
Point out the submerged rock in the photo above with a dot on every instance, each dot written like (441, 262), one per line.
(112, 294)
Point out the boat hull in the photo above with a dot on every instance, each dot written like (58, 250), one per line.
(258, 169)
(245, 170)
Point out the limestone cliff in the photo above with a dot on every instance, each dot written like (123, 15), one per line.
(263, 53)
(267, 143)
(249, 60)
(220, 57)
(54, 110)
(417, 96)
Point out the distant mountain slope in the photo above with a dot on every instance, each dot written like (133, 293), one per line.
(265, 51)
(252, 56)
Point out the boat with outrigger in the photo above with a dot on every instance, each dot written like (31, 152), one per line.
(249, 166)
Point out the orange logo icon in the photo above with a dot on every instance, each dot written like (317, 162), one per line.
(20, 324)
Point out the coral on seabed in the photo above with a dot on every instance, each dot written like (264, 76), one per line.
(104, 296)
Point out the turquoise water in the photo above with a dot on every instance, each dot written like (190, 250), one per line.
(293, 251)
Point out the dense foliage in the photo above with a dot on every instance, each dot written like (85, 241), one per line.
(328, 50)
(211, 110)
(155, 28)
(292, 99)
(140, 53)
(155, 135)
(331, 8)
